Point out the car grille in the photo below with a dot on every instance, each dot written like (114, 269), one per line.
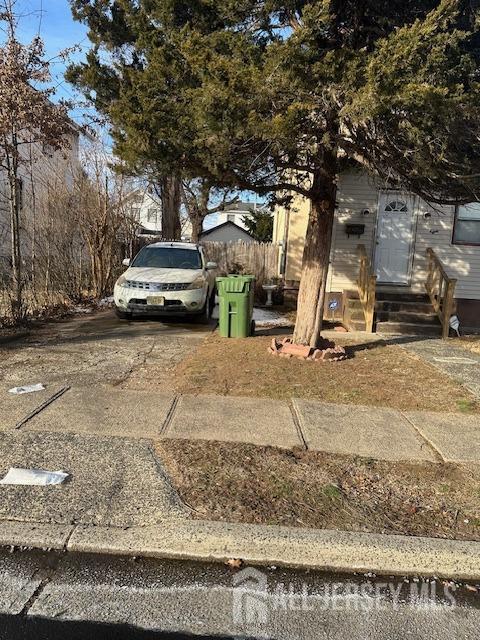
(157, 286)
(167, 303)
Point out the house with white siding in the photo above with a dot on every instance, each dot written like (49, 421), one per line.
(397, 264)
(45, 171)
(236, 212)
(145, 208)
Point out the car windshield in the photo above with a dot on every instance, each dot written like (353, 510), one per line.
(168, 258)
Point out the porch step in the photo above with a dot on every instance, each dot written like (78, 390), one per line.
(357, 314)
(356, 324)
(409, 317)
(403, 306)
(408, 329)
(355, 320)
(354, 304)
(407, 296)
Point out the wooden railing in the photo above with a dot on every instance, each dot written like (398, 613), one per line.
(441, 290)
(367, 283)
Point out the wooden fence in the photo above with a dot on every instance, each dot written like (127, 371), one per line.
(257, 258)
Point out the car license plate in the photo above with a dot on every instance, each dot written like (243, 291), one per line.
(156, 300)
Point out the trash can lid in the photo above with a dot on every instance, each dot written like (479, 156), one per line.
(234, 283)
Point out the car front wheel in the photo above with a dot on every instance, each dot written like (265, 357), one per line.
(123, 315)
(206, 314)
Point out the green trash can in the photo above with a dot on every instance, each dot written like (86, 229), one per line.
(235, 295)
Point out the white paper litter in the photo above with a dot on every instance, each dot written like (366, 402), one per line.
(38, 477)
(28, 388)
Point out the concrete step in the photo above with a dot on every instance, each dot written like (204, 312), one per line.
(357, 325)
(403, 306)
(408, 329)
(402, 297)
(357, 314)
(408, 317)
(354, 303)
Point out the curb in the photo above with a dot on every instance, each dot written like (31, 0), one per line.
(261, 545)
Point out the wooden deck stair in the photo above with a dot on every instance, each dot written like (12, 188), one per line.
(395, 314)
(399, 312)
(406, 314)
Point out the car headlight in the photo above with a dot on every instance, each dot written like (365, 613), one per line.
(198, 283)
(121, 281)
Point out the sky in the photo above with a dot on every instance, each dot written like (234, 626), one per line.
(54, 21)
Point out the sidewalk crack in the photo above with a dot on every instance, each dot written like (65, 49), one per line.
(42, 406)
(69, 537)
(435, 450)
(169, 417)
(48, 573)
(297, 423)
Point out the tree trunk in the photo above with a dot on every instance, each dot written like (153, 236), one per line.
(17, 288)
(170, 195)
(316, 254)
(197, 227)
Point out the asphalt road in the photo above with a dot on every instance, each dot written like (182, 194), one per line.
(49, 596)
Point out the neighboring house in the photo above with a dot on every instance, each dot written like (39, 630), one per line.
(396, 229)
(146, 209)
(47, 171)
(226, 232)
(236, 212)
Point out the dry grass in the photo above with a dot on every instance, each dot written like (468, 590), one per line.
(246, 483)
(375, 374)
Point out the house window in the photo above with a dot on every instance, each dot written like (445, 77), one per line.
(136, 212)
(230, 217)
(466, 229)
(152, 214)
(397, 205)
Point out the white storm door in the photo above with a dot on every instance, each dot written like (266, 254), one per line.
(394, 238)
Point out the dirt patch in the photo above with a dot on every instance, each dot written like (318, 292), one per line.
(264, 485)
(375, 374)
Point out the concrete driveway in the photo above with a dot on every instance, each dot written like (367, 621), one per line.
(99, 349)
(98, 429)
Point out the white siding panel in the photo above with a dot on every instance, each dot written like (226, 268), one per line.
(356, 193)
(461, 262)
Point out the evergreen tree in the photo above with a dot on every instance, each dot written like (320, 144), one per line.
(260, 225)
(279, 97)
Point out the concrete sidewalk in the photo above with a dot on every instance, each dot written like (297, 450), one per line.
(374, 432)
(457, 363)
(119, 499)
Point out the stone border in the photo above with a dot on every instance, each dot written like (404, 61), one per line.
(321, 550)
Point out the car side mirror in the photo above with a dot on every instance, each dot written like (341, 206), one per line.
(211, 265)
(126, 262)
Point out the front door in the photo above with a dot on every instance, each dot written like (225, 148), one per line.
(394, 238)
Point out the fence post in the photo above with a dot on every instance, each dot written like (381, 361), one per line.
(448, 303)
